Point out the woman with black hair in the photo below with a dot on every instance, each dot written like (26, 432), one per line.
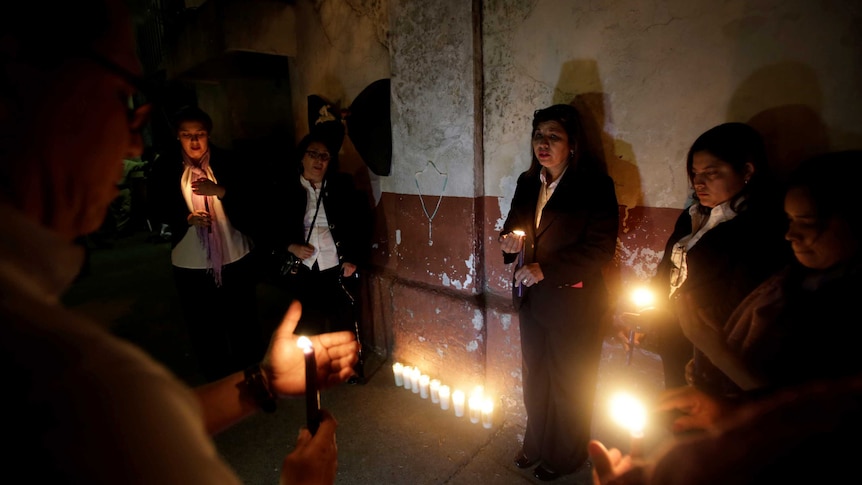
(321, 229)
(567, 210)
(724, 244)
(201, 192)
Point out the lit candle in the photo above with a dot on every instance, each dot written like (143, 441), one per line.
(434, 387)
(487, 413)
(398, 372)
(424, 382)
(458, 402)
(642, 298)
(518, 283)
(414, 380)
(312, 396)
(631, 414)
(408, 371)
(475, 407)
(444, 397)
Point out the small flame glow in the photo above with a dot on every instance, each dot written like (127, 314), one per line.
(304, 343)
(630, 413)
(642, 297)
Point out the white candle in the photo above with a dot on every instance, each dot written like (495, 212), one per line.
(475, 407)
(434, 386)
(458, 402)
(444, 397)
(414, 380)
(424, 382)
(487, 413)
(398, 372)
(408, 371)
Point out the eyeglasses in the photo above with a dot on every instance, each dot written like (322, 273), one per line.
(139, 115)
(322, 156)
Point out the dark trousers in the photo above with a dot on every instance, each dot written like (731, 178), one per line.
(221, 321)
(325, 305)
(561, 350)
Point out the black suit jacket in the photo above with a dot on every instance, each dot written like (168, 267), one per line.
(575, 239)
(345, 212)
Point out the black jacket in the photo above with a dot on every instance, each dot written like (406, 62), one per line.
(348, 221)
(169, 206)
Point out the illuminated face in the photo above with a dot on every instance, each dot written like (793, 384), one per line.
(194, 139)
(816, 243)
(315, 162)
(551, 146)
(714, 180)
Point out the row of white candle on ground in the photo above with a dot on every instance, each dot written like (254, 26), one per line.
(481, 408)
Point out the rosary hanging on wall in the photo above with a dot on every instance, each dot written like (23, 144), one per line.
(431, 178)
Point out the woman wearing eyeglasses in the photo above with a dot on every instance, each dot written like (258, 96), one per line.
(202, 194)
(724, 244)
(322, 225)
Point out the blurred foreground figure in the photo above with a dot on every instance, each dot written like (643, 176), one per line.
(808, 434)
(81, 405)
(792, 335)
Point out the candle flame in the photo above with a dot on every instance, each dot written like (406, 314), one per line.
(305, 344)
(628, 412)
(642, 297)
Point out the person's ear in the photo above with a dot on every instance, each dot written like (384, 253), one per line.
(748, 172)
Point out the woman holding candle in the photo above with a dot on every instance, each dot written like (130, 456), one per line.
(203, 194)
(725, 244)
(323, 227)
(791, 336)
(793, 328)
(567, 208)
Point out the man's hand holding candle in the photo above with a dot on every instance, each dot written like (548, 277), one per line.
(336, 353)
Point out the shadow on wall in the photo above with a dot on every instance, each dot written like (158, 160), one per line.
(579, 85)
(783, 102)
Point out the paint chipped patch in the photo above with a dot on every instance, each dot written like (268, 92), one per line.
(438, 311)
(398, 237)
(422, 339)
(643, 262)
(478, 321)
(472, 346)
(447, 281)
(506, 321)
